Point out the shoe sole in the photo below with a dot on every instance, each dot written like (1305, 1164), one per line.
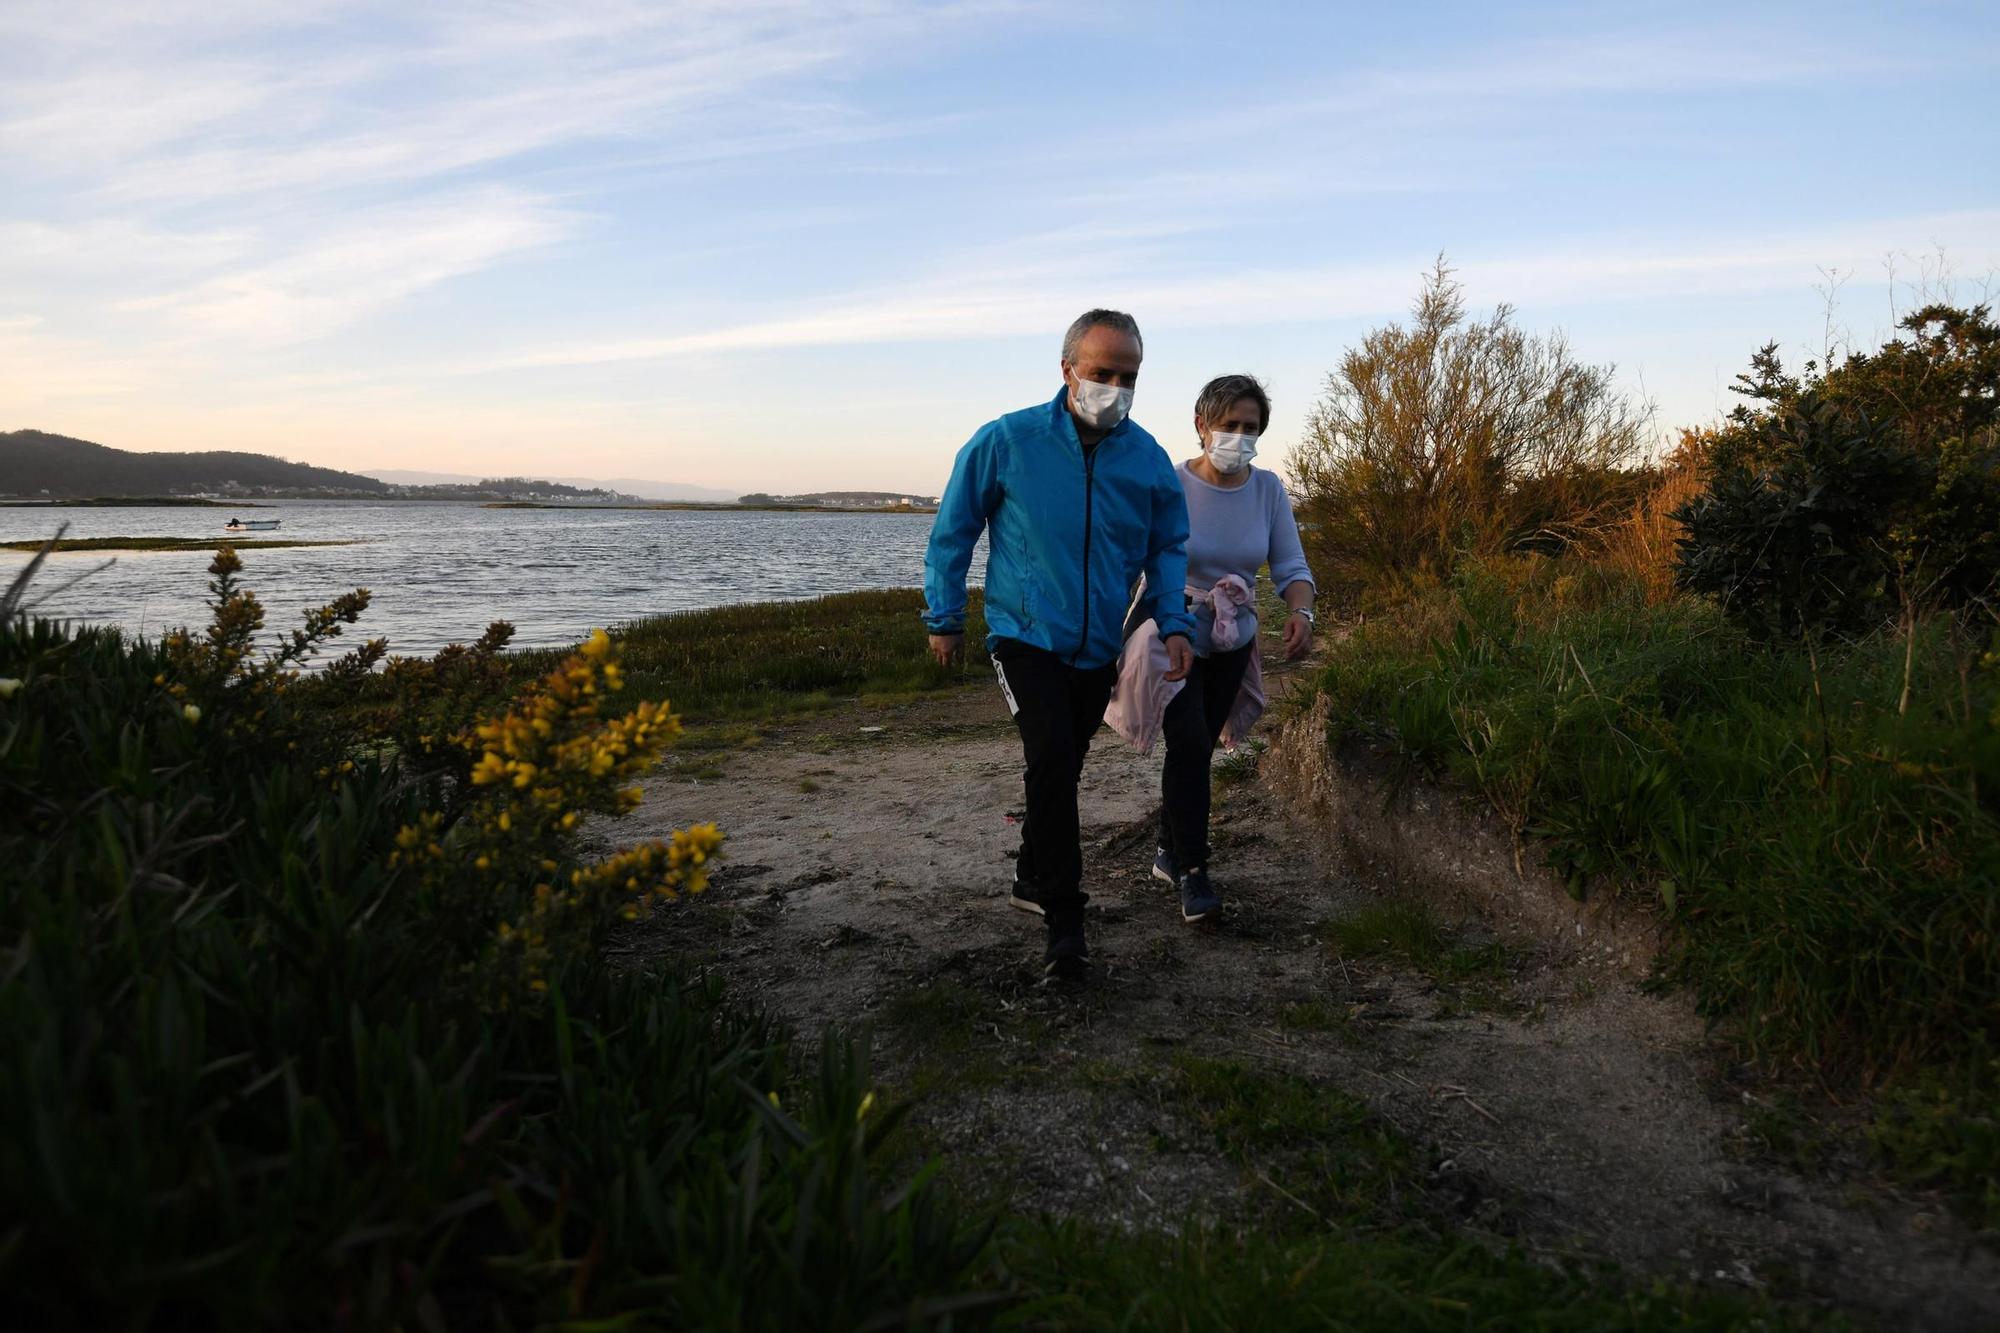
(1067, 967)
(1162, 875)
(1029, 905)
(1192, 919)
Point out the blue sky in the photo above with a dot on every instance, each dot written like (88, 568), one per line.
(798, 246)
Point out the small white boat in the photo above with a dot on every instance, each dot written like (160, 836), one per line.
(254, 525)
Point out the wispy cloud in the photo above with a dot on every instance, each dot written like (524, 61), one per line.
(983, 301)
(346, 146)
(373, 260)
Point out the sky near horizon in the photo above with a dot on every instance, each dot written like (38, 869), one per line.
(813, 245)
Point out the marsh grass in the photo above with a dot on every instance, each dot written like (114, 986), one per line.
(1822, 827)
(774, 660)
(1834, 871)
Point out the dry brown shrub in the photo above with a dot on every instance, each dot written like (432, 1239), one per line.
(1451, 437)
(1641, 547)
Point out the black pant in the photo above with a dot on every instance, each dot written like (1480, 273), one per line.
(1192, 726)
(1057, 707)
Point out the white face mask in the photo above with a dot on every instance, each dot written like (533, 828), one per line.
(1101, 406)
(1230, 453)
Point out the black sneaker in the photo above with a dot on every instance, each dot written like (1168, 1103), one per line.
(1022, 898)
(1164, 867)
(1067, 955)
(1199, 900)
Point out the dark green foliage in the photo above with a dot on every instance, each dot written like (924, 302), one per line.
(245, 1084)
(1842, 497)
(1943, 1128)
(1802, 547)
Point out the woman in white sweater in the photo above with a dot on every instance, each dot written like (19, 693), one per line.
(1239, 519)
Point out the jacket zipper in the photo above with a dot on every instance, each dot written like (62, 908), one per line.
(1089, 492)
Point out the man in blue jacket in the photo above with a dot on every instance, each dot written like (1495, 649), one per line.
(1079, 502)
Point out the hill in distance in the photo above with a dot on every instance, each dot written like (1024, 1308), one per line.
(39, 465)
(34, 463)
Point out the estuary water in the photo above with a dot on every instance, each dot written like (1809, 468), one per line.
(440, 572)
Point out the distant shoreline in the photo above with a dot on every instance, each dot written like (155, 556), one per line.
(67, 544)
(132, 501)
(265, 502)
(701, 506)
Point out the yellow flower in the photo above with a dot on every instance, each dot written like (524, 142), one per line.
(191, 712)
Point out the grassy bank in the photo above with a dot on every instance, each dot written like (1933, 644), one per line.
(769, 660)
(1822, 826)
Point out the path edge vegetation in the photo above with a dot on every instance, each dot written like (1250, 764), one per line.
(1753, 684)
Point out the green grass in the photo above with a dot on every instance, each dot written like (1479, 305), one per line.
(1350, 1240)
(1408, 932)
(1318, 1015)
(773, 660)
(1829, 856)
(1836, 876)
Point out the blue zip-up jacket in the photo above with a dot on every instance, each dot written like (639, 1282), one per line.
(1070, 535)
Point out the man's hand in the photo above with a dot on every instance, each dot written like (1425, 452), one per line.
(1298, 637)
(1180, 658)
(947, 648)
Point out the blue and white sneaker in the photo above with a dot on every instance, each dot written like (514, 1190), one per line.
(1164, 867)
(1199, 900)
(1022, 898)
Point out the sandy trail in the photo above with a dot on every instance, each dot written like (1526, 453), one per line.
(866, 883)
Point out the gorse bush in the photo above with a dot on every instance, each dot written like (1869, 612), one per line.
(1843, 497)
(1802, 547)
(1831, 852)
(296, 1030)
(1455, 437)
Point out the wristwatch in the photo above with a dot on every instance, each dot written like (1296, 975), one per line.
(1307, 612)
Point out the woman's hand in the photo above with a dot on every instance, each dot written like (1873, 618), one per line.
(1298, 637)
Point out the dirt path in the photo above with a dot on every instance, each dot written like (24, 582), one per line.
(869, 856)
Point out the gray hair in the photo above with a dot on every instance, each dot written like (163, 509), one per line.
(1090, 319)
(1225, 391)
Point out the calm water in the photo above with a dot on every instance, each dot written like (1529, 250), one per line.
(441, 572)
